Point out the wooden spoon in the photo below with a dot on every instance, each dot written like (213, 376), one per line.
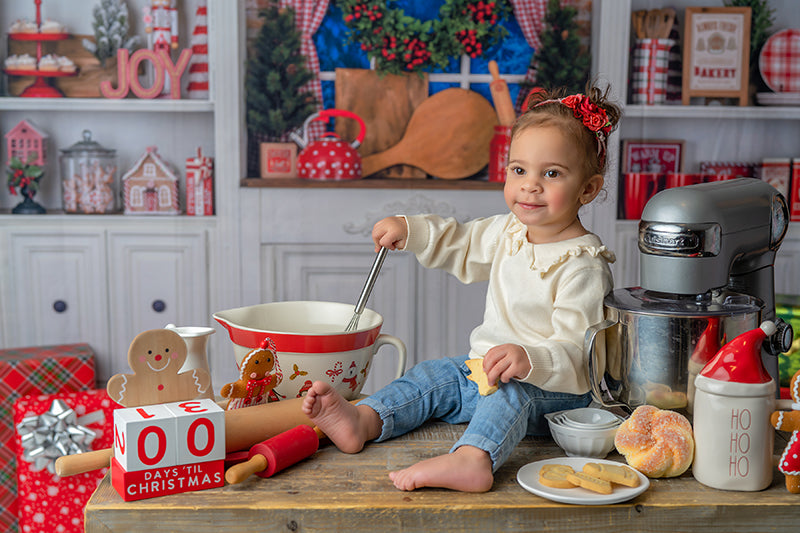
(448, 137)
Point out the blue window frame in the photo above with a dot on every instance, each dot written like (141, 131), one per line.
(513, 54)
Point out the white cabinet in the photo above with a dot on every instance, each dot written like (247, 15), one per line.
(103, 279)
(156, 279)
(72, 280)
(55, 291)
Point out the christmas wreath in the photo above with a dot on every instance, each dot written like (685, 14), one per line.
(400, 43)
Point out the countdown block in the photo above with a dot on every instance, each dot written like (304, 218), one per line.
(144, 437)
(142, 484)
(200, 430)
(171, 434)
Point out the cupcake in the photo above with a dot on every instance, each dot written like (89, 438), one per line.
(17, 26)
(48, 63)
(11, 62)
(65, 64)
(26, 62)
(28, 27)
(51, 26)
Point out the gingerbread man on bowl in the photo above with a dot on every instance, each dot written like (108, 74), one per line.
(258, 375)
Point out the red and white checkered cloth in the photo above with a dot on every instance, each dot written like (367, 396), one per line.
(308, 17)
(779, 61)
(530, 17)
(649, 70)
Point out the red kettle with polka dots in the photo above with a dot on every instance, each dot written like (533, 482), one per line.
(329, 158)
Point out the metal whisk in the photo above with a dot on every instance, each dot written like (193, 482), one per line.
(365, 292)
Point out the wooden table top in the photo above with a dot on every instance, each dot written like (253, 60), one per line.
(333, 491)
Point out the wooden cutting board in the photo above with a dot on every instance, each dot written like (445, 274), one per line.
(448, 137)
(385, 102)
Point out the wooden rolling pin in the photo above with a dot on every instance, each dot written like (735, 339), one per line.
(503, 105)
(276, 453)
(243, 428)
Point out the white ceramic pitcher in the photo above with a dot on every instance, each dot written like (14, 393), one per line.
(196, 339)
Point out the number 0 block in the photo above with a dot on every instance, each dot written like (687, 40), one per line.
(144, 437)
(199, 430)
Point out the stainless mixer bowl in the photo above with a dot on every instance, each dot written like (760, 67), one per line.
(652, 345)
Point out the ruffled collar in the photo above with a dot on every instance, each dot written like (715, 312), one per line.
(545, 257)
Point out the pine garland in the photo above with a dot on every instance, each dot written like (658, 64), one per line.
(111, 29)
(276, 73)
(401, 44)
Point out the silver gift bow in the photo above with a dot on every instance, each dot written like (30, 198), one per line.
(48, 436)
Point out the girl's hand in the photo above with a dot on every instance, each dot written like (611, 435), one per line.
(391, 233)
(506, 362)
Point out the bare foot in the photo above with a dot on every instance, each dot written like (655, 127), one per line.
(347, 425)
(467, 469)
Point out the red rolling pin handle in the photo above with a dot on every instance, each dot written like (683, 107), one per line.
(286, 449)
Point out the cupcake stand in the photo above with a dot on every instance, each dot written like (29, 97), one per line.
(40, 88)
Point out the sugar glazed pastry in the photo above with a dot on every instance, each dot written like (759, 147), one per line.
(657, 443)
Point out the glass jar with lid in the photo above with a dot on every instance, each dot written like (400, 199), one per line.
(89, 182)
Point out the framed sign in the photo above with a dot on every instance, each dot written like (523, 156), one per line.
(646, 155)
(716, 53)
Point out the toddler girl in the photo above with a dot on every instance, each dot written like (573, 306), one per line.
(547, 279)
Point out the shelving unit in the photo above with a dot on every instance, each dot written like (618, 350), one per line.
(711, 132)
(102, 279)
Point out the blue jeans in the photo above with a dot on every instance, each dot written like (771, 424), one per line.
(440, 389)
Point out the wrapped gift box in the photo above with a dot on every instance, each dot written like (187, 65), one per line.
(35, 370)
(68, 422)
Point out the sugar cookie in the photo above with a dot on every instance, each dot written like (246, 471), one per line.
(555, 476)
(620, 474)
(582, 479)
(479, 377)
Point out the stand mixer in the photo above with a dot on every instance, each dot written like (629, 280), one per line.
(706, 271)
(724, 234)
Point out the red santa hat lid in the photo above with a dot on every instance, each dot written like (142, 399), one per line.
(739, 361)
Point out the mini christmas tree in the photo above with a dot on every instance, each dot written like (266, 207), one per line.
(110, 30)
(762, 18)
(276, 73)
(560, 61)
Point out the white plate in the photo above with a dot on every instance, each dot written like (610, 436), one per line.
(528, 477)
(778, 98)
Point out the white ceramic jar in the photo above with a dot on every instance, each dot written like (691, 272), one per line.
(734, 399)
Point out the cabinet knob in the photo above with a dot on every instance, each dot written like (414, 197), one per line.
(60, 306)
(159, 306)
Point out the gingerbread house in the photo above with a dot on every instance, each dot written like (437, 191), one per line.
(150, 187)
(25, 139)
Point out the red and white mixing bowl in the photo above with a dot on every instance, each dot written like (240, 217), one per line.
(311, 344)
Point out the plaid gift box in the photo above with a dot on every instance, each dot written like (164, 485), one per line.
(35, 370)
(46, 502)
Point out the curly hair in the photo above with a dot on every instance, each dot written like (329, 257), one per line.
(545, 108)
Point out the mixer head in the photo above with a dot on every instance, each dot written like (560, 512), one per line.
(693, 239)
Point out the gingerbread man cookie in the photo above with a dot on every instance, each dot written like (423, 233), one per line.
(156, 357)
(258, 375)
(790, 421)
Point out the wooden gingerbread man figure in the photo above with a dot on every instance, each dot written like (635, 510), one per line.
(259, 374)
(790, 421)
(156, 356)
